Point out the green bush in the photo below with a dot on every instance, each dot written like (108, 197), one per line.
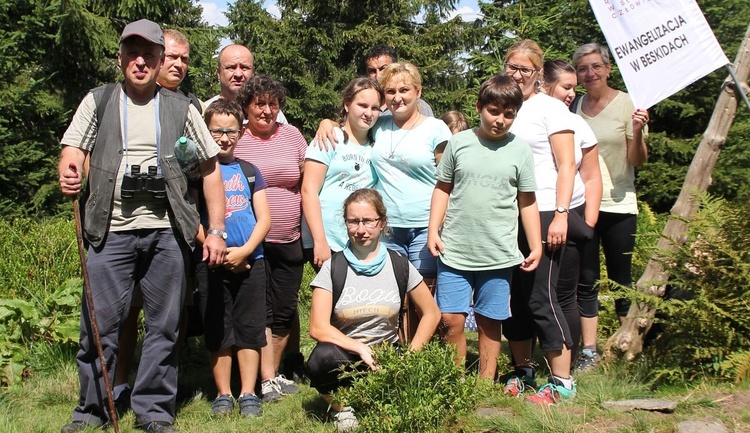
(420, 391)
(40, 291)
(650, 226)
(704, 318)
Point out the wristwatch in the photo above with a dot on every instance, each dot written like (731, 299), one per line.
(220, 233)
(561, 209)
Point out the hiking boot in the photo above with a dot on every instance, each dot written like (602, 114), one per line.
(122, 402)
(223, 405)
(551, 393)
(516, 385)
(286, 386)
(77, 426)
(159, 427)
(587, 361)
(249, 406)
(344, 420)
(270, 391)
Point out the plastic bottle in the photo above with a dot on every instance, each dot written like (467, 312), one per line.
(187, 156)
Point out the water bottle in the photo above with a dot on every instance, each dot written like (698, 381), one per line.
(187, 156)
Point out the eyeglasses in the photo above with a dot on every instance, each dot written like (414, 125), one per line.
(232, 134)
(596, 67)
(369, 223)
(511, 69)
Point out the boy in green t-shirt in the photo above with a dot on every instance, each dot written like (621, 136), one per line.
(485, 180)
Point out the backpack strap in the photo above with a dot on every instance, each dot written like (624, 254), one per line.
(574, 104)
(339, 268)
(101, 103)
(249, 171)
(401, 271)
(196, 102)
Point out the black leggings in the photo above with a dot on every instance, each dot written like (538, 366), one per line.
(579, 235)
(324, 367)
(617, 234)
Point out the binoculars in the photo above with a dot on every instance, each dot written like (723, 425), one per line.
(147, 182)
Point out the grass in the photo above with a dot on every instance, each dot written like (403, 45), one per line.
(43, 401)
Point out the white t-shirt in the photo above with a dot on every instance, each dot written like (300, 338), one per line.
(539, 117)
(584, 139)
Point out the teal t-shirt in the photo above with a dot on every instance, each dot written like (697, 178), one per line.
(404, 161)
(349, 169)
(481, 223)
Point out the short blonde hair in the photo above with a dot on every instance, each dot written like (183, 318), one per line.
(401, 69)
(528, 48)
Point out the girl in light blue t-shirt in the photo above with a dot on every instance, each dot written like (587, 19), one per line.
(332, 174)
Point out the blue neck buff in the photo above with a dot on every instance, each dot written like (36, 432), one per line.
(370, 268)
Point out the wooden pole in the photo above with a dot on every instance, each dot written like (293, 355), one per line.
(627, 342)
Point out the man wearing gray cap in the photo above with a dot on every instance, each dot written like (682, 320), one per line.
(138, 221)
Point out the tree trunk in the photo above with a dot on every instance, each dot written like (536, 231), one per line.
(627, 342)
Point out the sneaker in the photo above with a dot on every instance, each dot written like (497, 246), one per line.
(586, 361)
(76, 426)
(286, 386)
(270, 391)
(344, 420)
(223, 405)
(249, 406)
(551, 393)
(159, 427)
(516, 385)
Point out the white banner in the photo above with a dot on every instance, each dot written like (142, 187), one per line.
(660, 46)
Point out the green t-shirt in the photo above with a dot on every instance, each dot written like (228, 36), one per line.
(481, 223)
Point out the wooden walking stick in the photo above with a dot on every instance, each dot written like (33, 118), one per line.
(92, 314)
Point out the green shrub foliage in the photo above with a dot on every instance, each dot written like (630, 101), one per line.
(705, 318)
(420, 391)
(40, 290)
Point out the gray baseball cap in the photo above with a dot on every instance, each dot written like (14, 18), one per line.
(145, 29)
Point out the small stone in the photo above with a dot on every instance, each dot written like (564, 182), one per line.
(649, 404)
(706, 425)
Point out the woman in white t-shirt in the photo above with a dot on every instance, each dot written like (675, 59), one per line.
(621, 133)
(560, 82)
(367, 309)
(545, 124)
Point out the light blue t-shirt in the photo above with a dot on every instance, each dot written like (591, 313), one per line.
(349, 169)
(404, 162)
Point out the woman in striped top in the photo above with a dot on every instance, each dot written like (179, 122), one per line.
(278, 150)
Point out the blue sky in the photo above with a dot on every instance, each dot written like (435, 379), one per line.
(213, 10)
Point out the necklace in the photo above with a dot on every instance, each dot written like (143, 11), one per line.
(359, 155)
(394, 147)
(592, 111)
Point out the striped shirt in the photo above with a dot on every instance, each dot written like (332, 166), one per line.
(279, 158)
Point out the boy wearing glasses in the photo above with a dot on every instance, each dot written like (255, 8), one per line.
(485, 180)
(233, 296)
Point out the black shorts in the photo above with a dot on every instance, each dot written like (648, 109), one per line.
(284, 267)
(233, 306)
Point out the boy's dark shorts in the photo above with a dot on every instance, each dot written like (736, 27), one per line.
(233, 306)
